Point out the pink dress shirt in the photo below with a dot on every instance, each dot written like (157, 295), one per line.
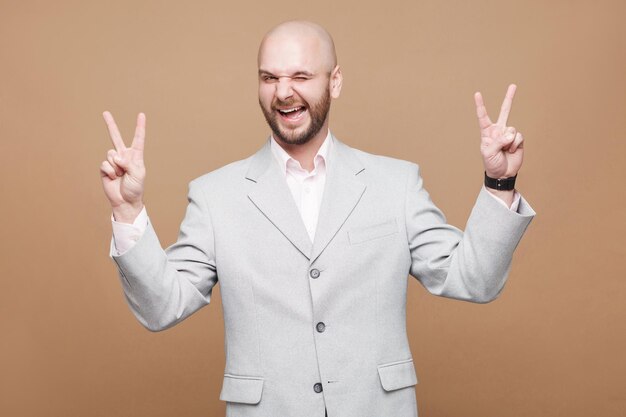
(306, 187)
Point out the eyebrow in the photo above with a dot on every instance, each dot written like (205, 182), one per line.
(295, 74)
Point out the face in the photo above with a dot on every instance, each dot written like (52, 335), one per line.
(295, 119)
(295, 89)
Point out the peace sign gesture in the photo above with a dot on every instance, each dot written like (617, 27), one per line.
(501, 145)
(123, 172)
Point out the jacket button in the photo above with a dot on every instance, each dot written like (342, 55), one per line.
(320, 327)
(314, 273)
(318, 388)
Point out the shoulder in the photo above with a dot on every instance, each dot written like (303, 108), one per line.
(382, 166)
(226, 176)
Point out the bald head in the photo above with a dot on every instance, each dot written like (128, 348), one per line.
(299, 37)
(298, 77)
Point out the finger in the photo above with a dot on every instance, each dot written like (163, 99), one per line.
(518, 143)
(510, 132)
(114, 132)
(106, 170)
(507, 137)
(483, 119)
(140, 133)
(123, 163)
(506, 105)
(111, 158)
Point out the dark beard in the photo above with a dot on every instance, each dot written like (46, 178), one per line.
(318, 113)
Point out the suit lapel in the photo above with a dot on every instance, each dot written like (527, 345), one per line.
(342, 193)
(271, 195)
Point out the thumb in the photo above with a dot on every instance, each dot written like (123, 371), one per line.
(122, 162)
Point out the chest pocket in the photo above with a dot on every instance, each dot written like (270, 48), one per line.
(375, 231)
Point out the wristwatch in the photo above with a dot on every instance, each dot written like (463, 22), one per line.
(503, 184)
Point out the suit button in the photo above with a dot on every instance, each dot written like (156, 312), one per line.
(320, 327)
(318, 388)
(314, 273)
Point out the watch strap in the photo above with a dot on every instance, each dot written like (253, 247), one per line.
(502, 184)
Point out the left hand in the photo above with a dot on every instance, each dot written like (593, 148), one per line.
(502, 146)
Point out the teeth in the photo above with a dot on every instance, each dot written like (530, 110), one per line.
(289, 110)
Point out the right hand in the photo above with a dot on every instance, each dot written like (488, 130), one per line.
(123, 172)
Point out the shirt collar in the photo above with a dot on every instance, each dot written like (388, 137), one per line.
(283, 158)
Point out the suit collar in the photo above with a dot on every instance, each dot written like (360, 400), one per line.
(272, 197)
(262, 159)
(286, 162)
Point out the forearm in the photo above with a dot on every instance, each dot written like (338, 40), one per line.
(506, 196)
(471, 265)
(165, 286)
(126, 235)
(480, 263)
(162, 291)
(127, 213)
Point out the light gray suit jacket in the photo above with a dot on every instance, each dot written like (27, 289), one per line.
(377, 225)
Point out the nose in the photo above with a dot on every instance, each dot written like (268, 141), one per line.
(283, 89)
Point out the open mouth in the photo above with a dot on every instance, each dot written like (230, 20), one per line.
(292, 113)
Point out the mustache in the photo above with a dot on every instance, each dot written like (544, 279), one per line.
(287, 103)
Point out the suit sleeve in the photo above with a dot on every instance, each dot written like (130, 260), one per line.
(472, 265)
(163, 287)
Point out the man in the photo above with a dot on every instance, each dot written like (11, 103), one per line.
(312, 242)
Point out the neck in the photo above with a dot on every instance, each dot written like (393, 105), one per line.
(305, 153)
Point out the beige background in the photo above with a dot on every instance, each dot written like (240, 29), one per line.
(552, 345)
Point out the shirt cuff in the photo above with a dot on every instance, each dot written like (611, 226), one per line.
(125, 235)
(514, 205)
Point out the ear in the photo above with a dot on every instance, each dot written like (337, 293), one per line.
(336, 80)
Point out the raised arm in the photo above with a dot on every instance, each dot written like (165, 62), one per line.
(162, 287)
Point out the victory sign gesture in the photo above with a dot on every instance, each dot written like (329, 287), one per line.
(123, 172)
(501, 145)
